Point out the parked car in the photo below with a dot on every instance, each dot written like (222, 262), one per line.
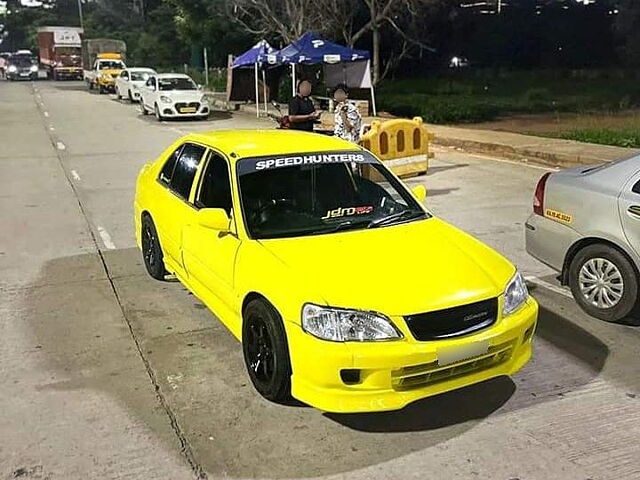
(586, 225)
(173, 95)
(343, 289)
(130, 81)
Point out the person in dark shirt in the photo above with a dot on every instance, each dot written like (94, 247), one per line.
(302, 113)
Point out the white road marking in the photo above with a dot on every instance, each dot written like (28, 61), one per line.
(496, 159)
(60, 146)
(46, 114)
(51, 128)
(549, 286)
(75, 175)
(106, 238)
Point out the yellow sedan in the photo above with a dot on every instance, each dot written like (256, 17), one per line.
(345, 292)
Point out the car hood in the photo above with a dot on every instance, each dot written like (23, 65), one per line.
(397, 270)
(183, 95)
(113, 72)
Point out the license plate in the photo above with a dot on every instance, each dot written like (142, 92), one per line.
(449, 355)
(188, 110)
(24, 74)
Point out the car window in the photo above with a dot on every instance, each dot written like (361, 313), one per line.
(636, 188)
(185, 169)
(215, 187)
(150, 82)
(167, 170)
(318, 193)
(124, 75)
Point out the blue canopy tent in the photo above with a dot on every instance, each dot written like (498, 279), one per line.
(254, 58)
(341, 64)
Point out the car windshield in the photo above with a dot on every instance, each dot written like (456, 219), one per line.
(318, 193)
(111, 65)
(22, 61)
(140, 76)
(176, 83)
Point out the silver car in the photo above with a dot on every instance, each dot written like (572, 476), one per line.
(586, 225)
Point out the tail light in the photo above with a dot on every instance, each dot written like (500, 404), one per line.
(538, 197)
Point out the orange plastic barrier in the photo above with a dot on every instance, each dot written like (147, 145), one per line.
(402, 144)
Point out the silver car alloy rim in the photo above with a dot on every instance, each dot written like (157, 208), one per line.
(601, 283)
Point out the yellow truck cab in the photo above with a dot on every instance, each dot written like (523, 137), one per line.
(103, 61)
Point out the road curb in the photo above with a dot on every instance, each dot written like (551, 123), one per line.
(566, 153)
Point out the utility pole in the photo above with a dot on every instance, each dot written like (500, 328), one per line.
(80, 14)
(499, 6)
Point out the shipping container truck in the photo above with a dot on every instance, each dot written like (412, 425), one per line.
(102, 61)
(61, 52)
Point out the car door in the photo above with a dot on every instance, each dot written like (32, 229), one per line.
(147, 92)
(629, 206)
(209, 255)
(121, 81)
(174, 203)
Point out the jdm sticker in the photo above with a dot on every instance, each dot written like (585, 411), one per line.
(347, 212)
(559, 216)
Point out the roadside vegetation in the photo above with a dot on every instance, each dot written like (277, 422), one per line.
(484, 95)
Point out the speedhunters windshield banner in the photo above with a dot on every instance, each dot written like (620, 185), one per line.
(271, 162)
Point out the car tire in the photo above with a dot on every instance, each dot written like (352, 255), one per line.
(101, 90)
(600, 263)
(266, 351)
(151, 249)
(143, 109)
(130, 96)
(157, 112)
(118, 96)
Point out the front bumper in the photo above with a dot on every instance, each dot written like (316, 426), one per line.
(68, 72)
(394, 374)
(26, 75)
(174, 111)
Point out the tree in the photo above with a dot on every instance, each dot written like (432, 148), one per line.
(627, 28)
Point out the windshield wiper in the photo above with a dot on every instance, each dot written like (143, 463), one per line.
(403, 215)
(347, 225)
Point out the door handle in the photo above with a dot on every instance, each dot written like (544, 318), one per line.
(634, 210)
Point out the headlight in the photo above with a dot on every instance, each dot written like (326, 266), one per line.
(165, 99)
(203, 100)
(340, 325)
(34, 68)
(12, 69)
(515, 295)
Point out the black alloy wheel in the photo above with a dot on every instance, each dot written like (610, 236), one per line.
(266, 353)
(151, 249)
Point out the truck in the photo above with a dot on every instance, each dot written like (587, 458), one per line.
(60, 51)
(103, 60)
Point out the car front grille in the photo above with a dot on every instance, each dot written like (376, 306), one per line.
(453, 322)
(418, 376)
(180, 106)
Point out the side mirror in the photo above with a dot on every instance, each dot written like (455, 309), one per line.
(214, 218)
(420, 192)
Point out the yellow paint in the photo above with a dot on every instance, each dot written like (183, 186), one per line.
(559, 216)
(400, 139)
(410, 268)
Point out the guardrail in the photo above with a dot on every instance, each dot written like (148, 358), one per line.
(403, 145)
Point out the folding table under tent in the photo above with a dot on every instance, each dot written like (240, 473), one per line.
(252, 58)
(341, 64)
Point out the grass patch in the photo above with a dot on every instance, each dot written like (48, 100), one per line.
(629, 138)
(476, 96)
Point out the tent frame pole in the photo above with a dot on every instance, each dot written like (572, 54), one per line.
(264, 91)
(373, 101)
(257, 91)
(293, 79)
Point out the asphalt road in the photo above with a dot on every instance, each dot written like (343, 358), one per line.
(109, 374)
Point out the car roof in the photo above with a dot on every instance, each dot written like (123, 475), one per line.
(238, 144)
(172, 75)
(140, 69)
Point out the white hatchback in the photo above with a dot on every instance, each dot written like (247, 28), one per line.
(130, 81)
(173, 95)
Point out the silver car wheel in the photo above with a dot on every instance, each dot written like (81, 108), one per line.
(601, 283)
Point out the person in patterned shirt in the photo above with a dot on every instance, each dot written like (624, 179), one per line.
(347, 117)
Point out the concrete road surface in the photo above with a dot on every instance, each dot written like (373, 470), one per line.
(107, 374)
